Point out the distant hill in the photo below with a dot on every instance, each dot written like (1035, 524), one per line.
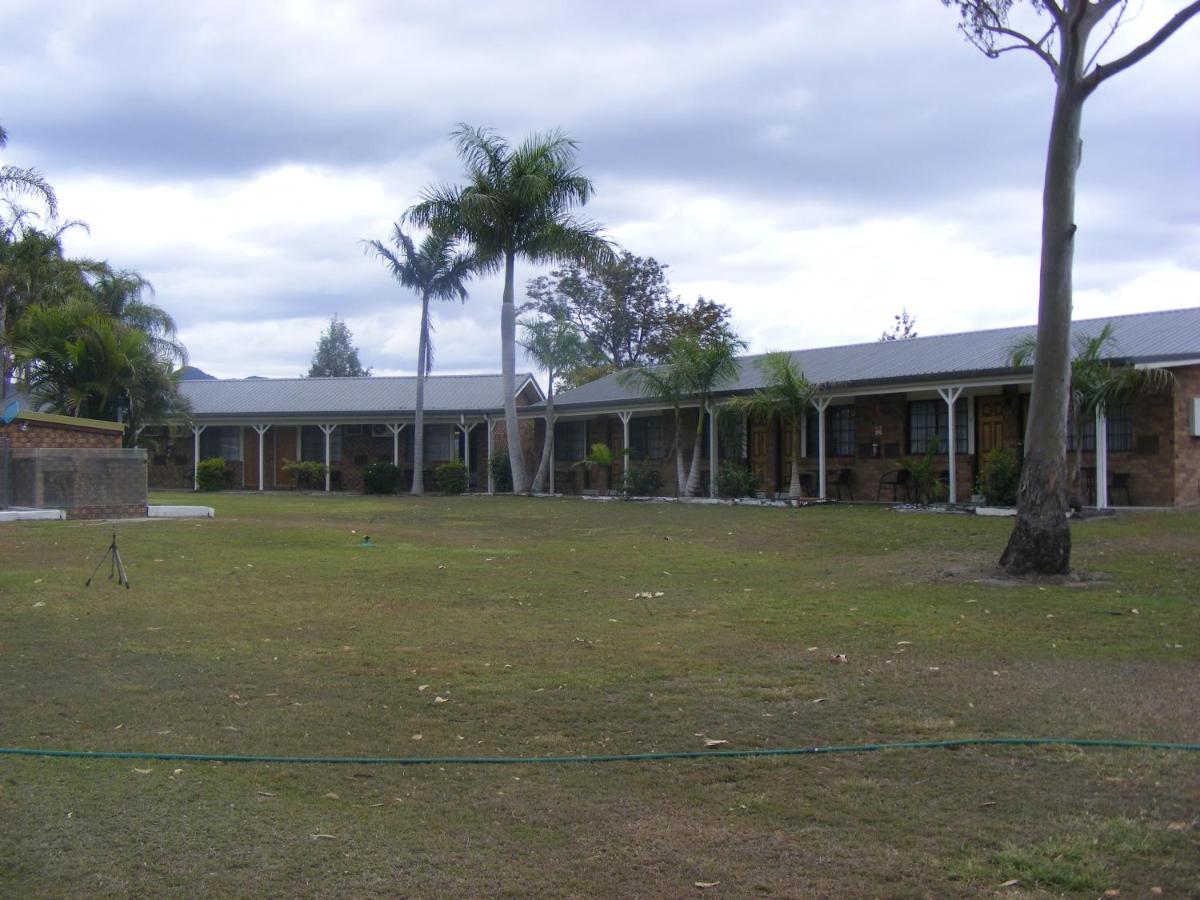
(191, 373)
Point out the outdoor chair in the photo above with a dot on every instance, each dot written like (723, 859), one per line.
(1120, 482)
(844, 479)
(898, 480)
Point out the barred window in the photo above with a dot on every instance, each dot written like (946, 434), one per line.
(312, 444)
(570, 441)
(646, 438)
(839, 421)
(439, 443)
(1119, 428)
(927, 422)
(221, 442)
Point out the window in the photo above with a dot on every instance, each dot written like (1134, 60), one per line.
(439, 443)
(1119, 428)
(839, 422)
(570, 441)
(221, 442)
(646, 438)
(927, 422)
(312, 444)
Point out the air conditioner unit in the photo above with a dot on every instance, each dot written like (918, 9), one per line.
(1194, 417)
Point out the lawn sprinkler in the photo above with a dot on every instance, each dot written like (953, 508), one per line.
(366, 543)
(116, 567)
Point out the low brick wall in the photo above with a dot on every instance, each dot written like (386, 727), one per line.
(87, 483)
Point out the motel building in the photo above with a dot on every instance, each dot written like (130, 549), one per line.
(876, 404)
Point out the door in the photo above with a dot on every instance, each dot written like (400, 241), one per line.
(990, 422)
(285, 451)
(250, 441)
(760, 445)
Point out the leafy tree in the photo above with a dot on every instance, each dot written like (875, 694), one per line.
(1097, 383)
(18, 181)
(1058, 35)
(663, 383)
(703, 366)
(555, 345)
(336, 356)
(436, 271)
(121, 294)
(625, 311)
(786, 393)
(902, 329)
(516, 203)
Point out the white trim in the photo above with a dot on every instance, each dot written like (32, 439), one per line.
(327, 430)
(529, 379)
(261, 431)
(822, 404)
(1101, 457)
(951, 395)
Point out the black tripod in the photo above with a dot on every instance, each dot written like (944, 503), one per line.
(116, 567)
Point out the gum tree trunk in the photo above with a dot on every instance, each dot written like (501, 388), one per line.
(795, 491)
(508, 381)
(1041, 539)
(539, 480)
(693, 478)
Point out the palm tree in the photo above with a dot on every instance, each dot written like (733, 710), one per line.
(702, 367)
(662, 383)
(786, 393)
(555, 345)
(120, 295)
(16, 180)
(1097, 382)
(516, 203)
(436, 271)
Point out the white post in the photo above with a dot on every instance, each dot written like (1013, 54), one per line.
(327, 430)
(821, 403)
(950, 394)
(466, 430)
(713, 450)
(196, 429)
(1101, 457)
(487, 421)
(625, 416)
(395, 429)
(262, 430)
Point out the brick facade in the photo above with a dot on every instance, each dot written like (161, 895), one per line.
(42, 431)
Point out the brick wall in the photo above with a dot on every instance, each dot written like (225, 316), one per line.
(24, 433)
(86, 482)
(1186, 449)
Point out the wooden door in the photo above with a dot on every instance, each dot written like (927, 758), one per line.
(285, 451)
(760, 444)
(250, 441)
(990, 422)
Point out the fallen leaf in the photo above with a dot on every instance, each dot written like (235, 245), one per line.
(39, 603)
(178, 772)
(819, 700)
(327, 837)
(706, 884)
(143, 771)
(441, 699)
(417, 737)
(265, 794)
(838, 658)
(715, 742)
(422, 687)
(1011, 882)
(1177, 826)
(332, 796)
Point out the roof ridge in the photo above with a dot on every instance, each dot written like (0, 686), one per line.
(344, 378)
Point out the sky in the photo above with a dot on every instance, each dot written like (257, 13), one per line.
(815, 166)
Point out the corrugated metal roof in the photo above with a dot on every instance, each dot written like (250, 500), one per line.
(1142, 337)
(377, 396)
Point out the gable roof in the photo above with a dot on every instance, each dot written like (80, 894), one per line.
(1156, 337)
(373, 396)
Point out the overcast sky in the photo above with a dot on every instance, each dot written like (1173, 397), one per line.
(814, 165)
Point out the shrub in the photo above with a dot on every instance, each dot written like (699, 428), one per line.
(735, 482)
(501, 468)
(451, 477)
(600, 455)
(381, 478)
(641, 482)
(210, 474)
(999, 477)
(925, 484)
(309, 476)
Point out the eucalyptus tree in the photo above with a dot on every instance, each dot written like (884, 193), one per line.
(785, 394)
(703, 366)
(436, 270)
(556, 346)
(1058, 33)
(517, 202)
(1097, 381)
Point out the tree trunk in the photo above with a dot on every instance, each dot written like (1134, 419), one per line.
(796, 492)
(508, 381)
(680, 477)
(1041, 539)
(539, 480)
(418, 479)
(693, 478)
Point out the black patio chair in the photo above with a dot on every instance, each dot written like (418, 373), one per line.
(1120, 482)
(898, 480)
(844, 479)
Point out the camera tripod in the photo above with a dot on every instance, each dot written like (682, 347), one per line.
(116, 567)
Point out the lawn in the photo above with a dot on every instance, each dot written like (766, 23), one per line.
(510, 626)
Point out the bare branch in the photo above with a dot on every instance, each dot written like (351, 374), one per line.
(1108, 37)
(1055, 11)
(1024, 42)
(1103, 72)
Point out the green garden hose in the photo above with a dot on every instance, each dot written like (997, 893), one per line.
(609, 758)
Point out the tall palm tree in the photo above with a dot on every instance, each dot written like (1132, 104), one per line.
(516, 202)
(702, 366)
(19, 181)
(786, 393)
(664, 384)
(437, 271)
(1097, 381)
(121, 295)
(555, 345)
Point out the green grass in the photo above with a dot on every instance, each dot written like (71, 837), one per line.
(270, 630)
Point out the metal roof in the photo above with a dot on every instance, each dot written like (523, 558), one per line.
(1143, 337)
(376, 396)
